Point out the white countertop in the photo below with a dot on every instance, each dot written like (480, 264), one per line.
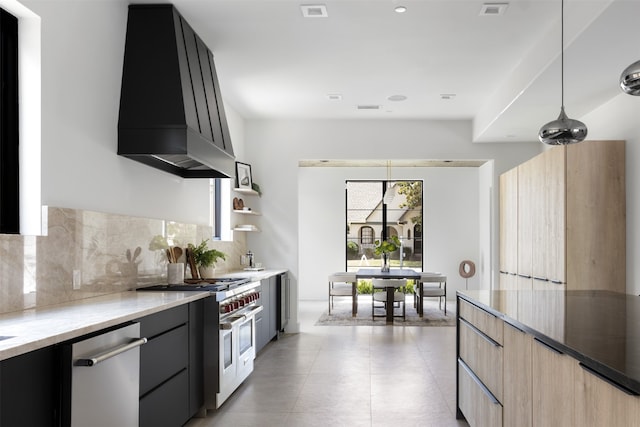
(254, 275)
(41, 327)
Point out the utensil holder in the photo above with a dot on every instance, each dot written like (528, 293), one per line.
(175, 273)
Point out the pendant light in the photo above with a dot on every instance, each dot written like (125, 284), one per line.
(630, 79)
(563, 130)
(390, 192)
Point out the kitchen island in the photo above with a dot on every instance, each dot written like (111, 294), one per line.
(548, 357)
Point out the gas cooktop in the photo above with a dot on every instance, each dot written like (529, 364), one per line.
(211, 285)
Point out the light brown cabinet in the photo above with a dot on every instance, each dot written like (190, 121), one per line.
(600, 403)
(480, 384)
(569, 216)
(509, 221)
(518, 388)
(553, 384)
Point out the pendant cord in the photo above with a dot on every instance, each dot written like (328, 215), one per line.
(562, 52)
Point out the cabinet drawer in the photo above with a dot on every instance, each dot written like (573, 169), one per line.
(167, 405)
(162, 357)
(484, 356)
(162, 321)
(478, 405)
(489, 324)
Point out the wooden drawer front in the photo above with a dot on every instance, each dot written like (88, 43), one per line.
(484, 356)
(162, 357)
(489, 324)
(479, 407)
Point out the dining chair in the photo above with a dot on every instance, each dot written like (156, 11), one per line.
(344, 284)
(433, 285)
(379, 295)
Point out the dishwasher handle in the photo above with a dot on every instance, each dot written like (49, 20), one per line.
(101, 357)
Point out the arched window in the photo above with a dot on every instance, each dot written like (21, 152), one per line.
(367, 236)
(391, 231)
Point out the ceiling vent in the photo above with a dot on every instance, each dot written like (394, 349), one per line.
(493, 9)
(314, 11)
(368, 107)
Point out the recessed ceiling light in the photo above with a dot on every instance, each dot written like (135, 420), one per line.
(334, 97)
(493, 9)
(368, 107)
(400, 9)
(447, 95)
(397, 98)
(314, 10)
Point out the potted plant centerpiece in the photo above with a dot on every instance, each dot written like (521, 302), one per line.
(384, 248)
(206, 258)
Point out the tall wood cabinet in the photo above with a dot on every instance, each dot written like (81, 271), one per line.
(562, 217)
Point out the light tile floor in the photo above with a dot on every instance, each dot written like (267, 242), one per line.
(347, 376)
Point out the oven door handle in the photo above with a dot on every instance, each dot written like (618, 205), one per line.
(230, 324)
(254, 310)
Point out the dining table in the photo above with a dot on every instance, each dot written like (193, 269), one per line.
(393, 273)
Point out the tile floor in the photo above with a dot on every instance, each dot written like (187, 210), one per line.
(347, 376)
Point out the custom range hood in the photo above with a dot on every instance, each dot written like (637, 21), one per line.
(171, 112)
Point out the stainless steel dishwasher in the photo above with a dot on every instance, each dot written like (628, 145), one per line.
(102, 373)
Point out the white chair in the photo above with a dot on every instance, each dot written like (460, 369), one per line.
(379, 295)
(433, 285)
(344, 284)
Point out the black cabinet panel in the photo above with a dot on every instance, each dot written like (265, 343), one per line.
(28, 389)
(273, 308)
(196, 356)
(160, 322)
(167, 405)
(162, 357)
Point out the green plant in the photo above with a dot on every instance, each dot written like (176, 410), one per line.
(365, 287)
(387, 246)
(352, 250)
(205, 257)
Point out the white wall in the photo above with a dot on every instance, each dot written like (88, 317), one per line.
(82, 56)
(450, 224)
(618, 119)
(274, 148)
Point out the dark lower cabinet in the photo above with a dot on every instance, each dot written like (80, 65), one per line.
(196, 356)
(166, 405)
(274, 297)
(28, 391)
(171, 366)
(171, 374)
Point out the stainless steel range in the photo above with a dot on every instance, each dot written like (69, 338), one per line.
(229, 333)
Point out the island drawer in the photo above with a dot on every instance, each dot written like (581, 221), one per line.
(484, 357)
(484, 321)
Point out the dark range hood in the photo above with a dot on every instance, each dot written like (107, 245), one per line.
(171, 112)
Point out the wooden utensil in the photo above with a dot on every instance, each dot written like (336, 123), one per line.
(192, 264)
(177, 253)
(169, 255)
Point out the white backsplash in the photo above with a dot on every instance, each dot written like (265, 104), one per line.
(93, 247)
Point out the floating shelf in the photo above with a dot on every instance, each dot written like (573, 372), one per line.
(246, 228)
(246, 191)
(244, 212)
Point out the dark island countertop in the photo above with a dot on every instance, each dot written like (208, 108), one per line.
(600, 329)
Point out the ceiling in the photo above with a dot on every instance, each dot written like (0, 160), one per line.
(502, 72)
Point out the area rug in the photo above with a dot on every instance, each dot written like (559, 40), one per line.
(341, 314)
